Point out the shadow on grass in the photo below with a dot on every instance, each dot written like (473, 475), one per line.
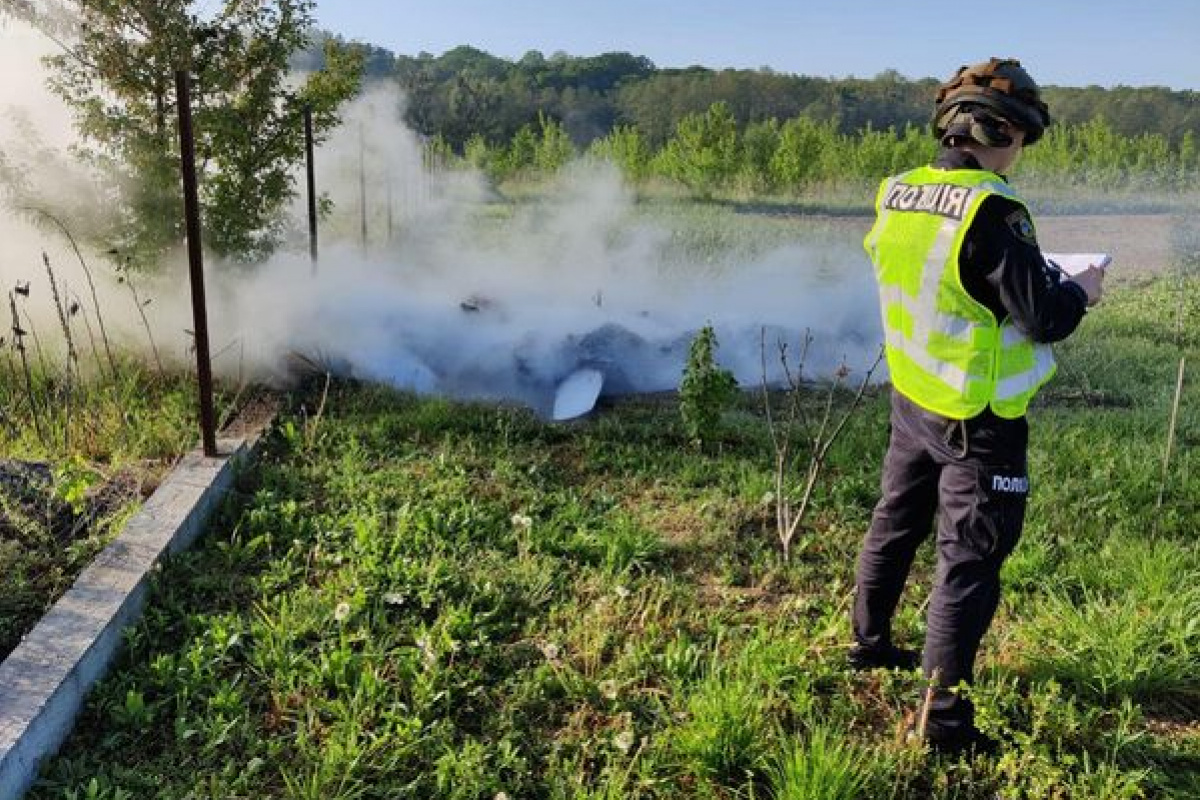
(1175, 771)
(796, 208)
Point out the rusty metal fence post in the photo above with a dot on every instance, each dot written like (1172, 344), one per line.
(310, 170)
(191, 208)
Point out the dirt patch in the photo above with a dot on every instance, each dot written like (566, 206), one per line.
(45, 540)
(1141, 244)
(258, 407)
(27, 501)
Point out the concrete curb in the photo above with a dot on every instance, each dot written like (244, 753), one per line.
(43, 683)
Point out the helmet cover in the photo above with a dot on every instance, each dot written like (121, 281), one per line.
(1001, 86)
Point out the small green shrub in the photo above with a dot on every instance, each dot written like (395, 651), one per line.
(707, 391)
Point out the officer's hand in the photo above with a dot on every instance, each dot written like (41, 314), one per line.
(1091, 280)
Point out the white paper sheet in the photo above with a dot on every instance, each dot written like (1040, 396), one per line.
(1075, 263)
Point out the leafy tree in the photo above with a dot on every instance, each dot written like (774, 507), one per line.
(703, 152)
(759, 143)
(803, 144)
(606, 71)
(1189, 156)
(439, 155)
(471, 62)
(625, 147)
(115, 70)
(470, 102)
(522, 151)
(873, 154)
(554, 149)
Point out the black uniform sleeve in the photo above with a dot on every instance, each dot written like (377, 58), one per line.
(1003, 268)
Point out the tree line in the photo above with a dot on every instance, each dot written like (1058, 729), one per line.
(711, 154)
(712, 131)
(466, 92)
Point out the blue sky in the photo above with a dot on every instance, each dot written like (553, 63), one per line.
(1061, 42)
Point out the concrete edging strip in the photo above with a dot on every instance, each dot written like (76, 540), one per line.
(44, 681)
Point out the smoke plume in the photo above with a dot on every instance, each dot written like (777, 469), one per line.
(430, 281)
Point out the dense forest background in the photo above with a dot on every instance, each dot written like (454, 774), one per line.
(466, 92)
(760, 133)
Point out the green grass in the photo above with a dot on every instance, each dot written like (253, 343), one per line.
(821, 765)
(411, 598)
(89, 424)
(89, 448)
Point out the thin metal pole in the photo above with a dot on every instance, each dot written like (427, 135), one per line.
(312, 186)
(191, 208)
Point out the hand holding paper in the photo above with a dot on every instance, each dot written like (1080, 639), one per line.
(1071, 264)
(1084, 269)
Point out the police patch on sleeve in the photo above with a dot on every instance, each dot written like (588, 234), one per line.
(1022, 226)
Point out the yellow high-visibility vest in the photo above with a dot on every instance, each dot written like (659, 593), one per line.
(946, 351)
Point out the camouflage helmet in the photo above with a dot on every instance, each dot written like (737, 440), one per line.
(999, 87)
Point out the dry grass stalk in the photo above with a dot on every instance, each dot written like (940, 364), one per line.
(112, 362)
(19, 335)
(141, 309)
(1166, 468)
(927, 704)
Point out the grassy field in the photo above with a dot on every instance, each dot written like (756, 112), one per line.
(411, 598)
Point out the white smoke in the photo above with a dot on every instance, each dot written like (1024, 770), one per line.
(475, 298)
(48, 200)
(435, 284)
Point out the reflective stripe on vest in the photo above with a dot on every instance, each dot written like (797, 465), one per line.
(946, 351)
(1013, 386)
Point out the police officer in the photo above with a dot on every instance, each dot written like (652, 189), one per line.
(969, 308)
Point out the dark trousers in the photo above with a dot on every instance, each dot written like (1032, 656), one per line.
(972, 476)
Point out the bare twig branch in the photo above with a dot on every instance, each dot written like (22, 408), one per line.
(43, 365)
(87, 324)
(57, 23)
(788, 517)
(766, 389)
(858, 396)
